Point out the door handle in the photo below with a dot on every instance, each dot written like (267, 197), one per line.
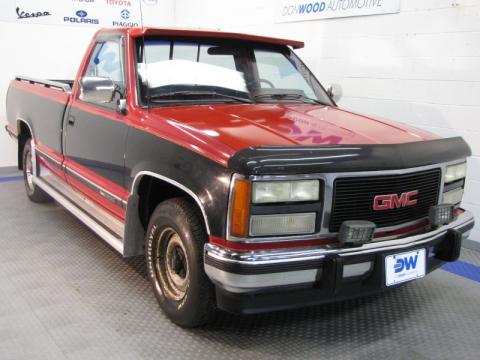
(71, 120)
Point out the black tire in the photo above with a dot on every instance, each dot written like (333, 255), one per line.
(174, 256)
(34, 193)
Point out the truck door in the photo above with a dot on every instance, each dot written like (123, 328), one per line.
(95, 133)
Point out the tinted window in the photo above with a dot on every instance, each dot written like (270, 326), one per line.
(106, 61)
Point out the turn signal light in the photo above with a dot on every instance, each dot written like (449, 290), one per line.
(240, 208)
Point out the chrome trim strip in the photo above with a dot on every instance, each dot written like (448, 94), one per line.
(105, 234)
(56, 84)
(140, 174)
(328, 180)
(44, 154)
(101, 191)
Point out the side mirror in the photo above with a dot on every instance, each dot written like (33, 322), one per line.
(335, 92)
(97, 90)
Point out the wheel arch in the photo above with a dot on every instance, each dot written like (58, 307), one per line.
(138, 213)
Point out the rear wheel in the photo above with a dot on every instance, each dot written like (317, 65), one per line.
(34, 193)
(174, 256)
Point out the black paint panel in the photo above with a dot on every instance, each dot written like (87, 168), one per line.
(288, 160)
(205, 178)
(97, 143)
(44, 115)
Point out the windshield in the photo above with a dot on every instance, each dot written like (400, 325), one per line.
(173, 72)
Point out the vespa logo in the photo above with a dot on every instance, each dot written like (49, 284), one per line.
(406, 263)
(33, 14)
(394, 201)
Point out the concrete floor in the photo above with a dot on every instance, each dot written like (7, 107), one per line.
(65, 294)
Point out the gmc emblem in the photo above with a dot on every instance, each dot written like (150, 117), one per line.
(394, 201)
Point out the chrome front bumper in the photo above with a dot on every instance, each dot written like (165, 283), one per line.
(250, 272)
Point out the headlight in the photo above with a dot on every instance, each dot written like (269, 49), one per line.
(282, 224)
(455, 172)
(285, 191)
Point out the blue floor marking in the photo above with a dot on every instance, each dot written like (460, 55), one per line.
(10, 178)
(463, 269)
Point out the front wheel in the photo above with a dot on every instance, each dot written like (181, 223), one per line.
(174, 257)
(34, 193)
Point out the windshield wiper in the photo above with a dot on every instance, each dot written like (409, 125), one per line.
(298, 97)
(197, 93)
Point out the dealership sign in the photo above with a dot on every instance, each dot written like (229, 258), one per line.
(97, 13)
(301, 10)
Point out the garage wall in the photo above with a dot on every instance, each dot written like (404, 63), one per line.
(421, 66)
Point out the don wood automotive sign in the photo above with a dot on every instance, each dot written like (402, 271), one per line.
(301, 10)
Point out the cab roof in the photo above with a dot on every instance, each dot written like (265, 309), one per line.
(204, 33)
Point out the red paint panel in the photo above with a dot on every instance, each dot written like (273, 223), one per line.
(40, 90)
(218, 131)
(136, 32)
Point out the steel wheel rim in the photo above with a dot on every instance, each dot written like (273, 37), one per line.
(29, 172)
(171, 264)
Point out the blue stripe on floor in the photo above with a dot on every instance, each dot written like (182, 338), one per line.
(463, 269)
(10, 178)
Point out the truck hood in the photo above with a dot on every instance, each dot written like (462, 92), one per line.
(245, 125)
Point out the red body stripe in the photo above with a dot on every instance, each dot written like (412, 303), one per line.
(102, 182)
(96, 179)
(268, 246)
(95, 196)
(232, 245)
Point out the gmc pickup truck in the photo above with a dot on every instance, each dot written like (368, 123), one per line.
(222, 159)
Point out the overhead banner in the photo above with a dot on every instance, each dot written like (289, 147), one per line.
(301, 10)
(97, 13)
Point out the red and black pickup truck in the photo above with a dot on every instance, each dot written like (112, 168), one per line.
(223, 159)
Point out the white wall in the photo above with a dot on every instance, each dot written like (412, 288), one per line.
(421, 66)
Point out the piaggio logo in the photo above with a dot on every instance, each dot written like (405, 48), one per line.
(394, 201)
(406, 263)
(125, 14)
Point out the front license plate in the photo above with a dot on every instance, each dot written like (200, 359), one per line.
(404, 267)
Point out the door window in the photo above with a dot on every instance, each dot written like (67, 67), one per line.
(107, 61)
